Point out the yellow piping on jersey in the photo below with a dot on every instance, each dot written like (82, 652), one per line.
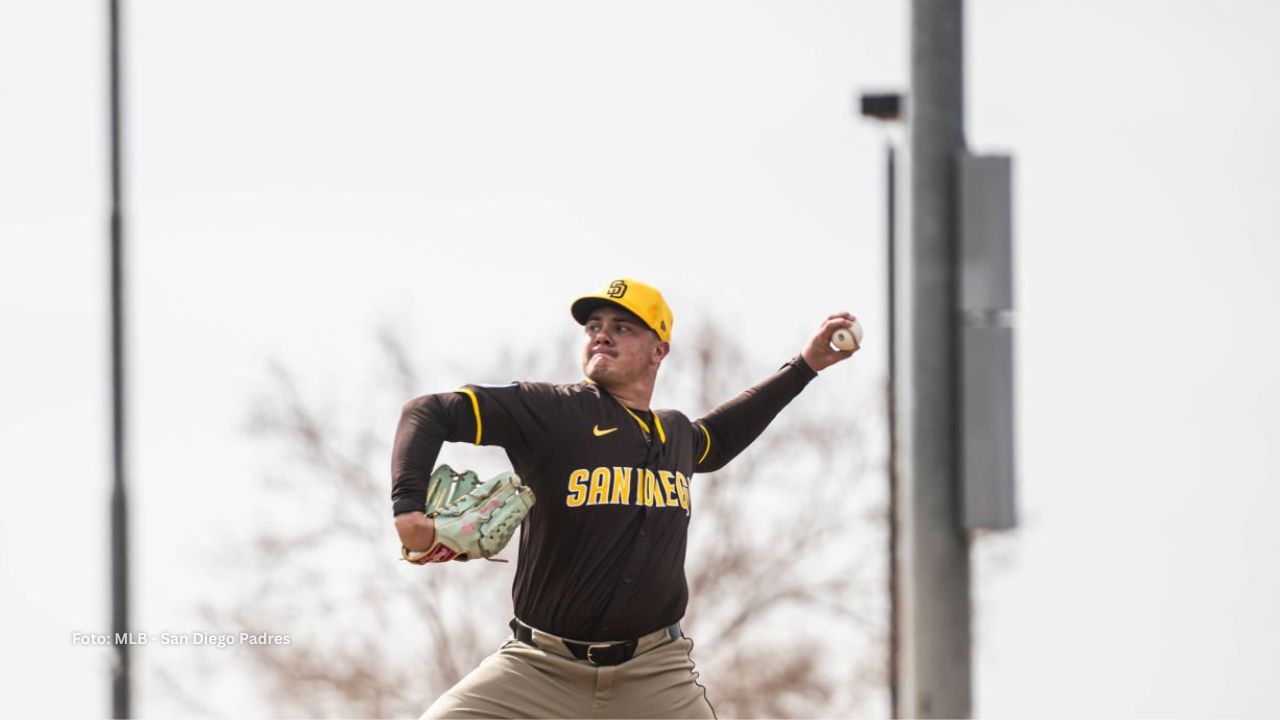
(708, 448)
(635, 417)
(475, 405)
(662, 435)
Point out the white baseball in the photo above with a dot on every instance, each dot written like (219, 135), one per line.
(848, 339)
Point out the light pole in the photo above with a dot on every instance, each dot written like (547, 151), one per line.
(120, 685)
(888, 108)
(950, 369)
(935, 649)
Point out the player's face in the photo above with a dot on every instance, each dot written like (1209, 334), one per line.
(618, 348)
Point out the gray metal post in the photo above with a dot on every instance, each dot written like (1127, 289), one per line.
(887, 108)
(891, 242)
(120, 685)
(934, 655)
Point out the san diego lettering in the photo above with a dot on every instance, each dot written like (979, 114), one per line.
(628, 486)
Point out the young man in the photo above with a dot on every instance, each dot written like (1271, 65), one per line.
(600, 586)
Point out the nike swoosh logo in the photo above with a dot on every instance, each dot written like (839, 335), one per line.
(601, 433)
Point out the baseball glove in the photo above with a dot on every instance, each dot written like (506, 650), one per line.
(471, 520)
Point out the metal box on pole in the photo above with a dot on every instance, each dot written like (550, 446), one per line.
(985, 207)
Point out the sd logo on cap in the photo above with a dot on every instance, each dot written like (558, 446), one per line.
(644, 301)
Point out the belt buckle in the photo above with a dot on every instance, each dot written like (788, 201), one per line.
(591, 652)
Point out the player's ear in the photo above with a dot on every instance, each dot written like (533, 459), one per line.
(661, 350)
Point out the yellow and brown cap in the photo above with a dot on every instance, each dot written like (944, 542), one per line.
(634, 296)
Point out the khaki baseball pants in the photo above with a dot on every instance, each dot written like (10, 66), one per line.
(547, 681)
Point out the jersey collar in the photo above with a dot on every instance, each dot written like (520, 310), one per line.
(662, 434)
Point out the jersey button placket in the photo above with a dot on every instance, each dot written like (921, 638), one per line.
(652, 456)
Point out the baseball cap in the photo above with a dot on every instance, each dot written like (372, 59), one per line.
(629, 294)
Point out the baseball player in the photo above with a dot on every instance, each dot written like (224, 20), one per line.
(601, 490)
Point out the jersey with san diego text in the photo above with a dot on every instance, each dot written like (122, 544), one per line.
(601, 553)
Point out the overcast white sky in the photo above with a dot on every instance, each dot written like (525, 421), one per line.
(301, 171)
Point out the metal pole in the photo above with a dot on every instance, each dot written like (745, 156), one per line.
(120, 685)
(935, 654)
(887, 108)
(891, 191)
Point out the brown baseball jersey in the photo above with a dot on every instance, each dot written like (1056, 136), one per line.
(602, 551)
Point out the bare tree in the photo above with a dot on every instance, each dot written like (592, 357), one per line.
(784, 561)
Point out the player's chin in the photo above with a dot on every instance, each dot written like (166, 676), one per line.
(594, 369)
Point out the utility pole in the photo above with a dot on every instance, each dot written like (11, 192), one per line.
(886, 108)
(934, 652)
(120, 685)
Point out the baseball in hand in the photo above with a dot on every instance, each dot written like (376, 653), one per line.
(848, 339)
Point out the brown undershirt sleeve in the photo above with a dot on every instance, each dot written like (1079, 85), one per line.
(733, 426)
(426, 423)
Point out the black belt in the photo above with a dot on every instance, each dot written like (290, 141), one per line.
(604, 654)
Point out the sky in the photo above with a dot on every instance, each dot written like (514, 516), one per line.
(302, 173)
